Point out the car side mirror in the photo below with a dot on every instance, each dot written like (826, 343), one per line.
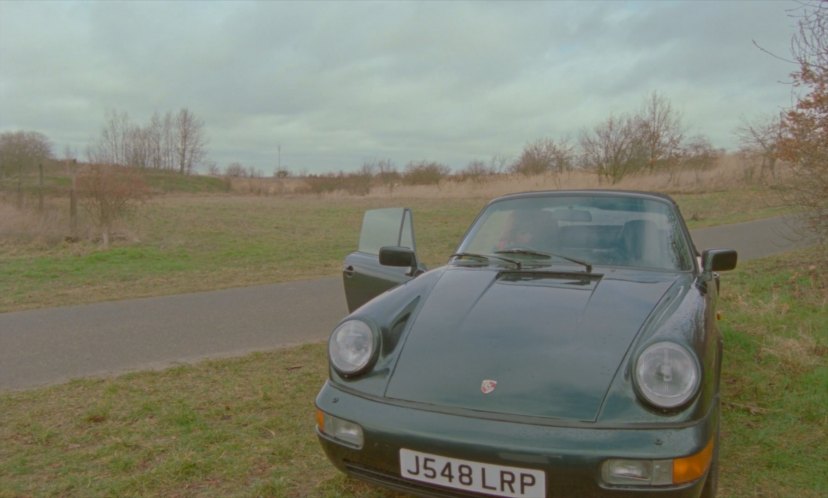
(398, 256)
(718, 260)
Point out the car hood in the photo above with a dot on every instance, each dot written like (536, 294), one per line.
(552, 342)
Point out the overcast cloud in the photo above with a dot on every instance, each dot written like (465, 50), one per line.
(337, 84)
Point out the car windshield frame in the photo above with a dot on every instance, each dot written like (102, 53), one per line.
(614, 229)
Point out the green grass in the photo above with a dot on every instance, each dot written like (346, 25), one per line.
(244, 426)
(196, 243)
(775, 385)
(730, 206)
(202, 242)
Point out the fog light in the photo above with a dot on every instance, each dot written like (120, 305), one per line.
(341, 430)
(638, 472)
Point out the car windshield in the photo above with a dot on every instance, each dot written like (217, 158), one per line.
(620, 230)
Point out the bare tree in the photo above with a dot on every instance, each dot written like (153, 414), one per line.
(235, 170)
(660, 131)
(161, 140)
(112, 146)
(498, 163)
(544, 156)
(174, 142)
(698, 154)
(477, 171)
(387, 173)
(613, 148)
(191, 140)
(760, 139)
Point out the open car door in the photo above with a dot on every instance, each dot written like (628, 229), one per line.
(389, 231)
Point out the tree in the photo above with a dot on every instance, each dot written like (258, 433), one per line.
(804, 141)
(424, 173)
(161, 141)
(108, 192)
(174, 142)
(191, 140)
(613, 148)
(544, 156)
(387, 174)
(235, 170)
(698, 154)
(477, 171)
(22, 150)
(760, 138)
(660, 130)
(111, 147)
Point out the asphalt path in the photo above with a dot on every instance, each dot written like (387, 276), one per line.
(48, 346)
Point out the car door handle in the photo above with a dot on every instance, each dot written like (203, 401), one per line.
(348, 271)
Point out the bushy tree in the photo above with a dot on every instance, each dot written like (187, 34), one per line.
(804, 141)
(22, 150)
(108, 193)
(424, 173)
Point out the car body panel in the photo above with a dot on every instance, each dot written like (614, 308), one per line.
(363, 276)
(571, 457)
(571, 330)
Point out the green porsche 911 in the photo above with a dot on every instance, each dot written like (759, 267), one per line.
(568, 348)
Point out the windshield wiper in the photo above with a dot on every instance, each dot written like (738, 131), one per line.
(545, 255)
(486, 257)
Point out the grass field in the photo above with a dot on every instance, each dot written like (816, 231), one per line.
(187, 243)
(244, 426)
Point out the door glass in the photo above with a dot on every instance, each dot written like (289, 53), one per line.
(385, 227)
(407, 233)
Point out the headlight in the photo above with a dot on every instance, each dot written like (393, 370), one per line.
(352, 347)
(667, 375)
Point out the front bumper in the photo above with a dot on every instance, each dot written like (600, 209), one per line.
(571, 457)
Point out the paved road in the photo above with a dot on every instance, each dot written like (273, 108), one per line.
(48, 346)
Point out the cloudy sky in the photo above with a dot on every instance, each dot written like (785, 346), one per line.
(333, 85)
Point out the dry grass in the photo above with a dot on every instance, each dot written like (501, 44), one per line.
(31, 227)
(730, 172)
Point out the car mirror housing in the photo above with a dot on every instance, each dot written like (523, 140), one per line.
(719, 260)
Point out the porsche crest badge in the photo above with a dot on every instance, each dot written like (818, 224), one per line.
(487, 386)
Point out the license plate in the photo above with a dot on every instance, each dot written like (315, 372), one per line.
(495, 480)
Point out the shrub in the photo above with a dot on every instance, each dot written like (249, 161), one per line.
(424, 173)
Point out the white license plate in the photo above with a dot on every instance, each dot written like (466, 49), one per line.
(496, 480)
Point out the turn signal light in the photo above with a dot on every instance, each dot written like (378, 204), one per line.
(694, 466)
